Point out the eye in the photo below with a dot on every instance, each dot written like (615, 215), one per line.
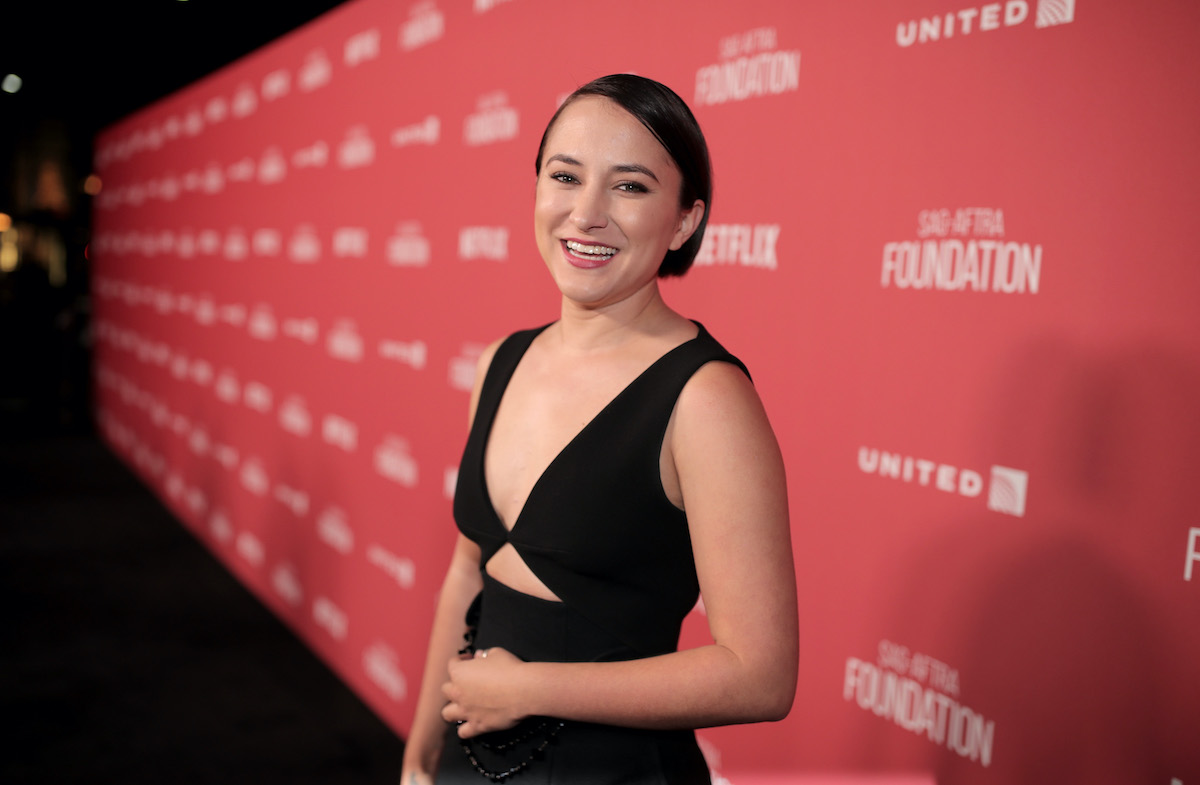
(563, 177)
(633, 187)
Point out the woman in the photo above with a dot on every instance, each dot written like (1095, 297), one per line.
(619, 460)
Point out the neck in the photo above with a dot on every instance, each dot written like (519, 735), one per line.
(585, 329)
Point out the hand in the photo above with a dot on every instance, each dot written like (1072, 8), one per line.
(414, 777)
(481, 692)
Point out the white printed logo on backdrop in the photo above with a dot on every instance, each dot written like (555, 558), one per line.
(272, 167)
(350, 242)
(986, 18)
(382, 667)
(361, 47)
(339, 432)
(344, 342)
(276, 84)
(425, 25)
(427, 131)
(462, 368)
(1007, 488)
(483, 242)
(921, 695)
(408, 247)
(334, 530)
(959, 250)
(394, 461)
(245, 101)
(304, 247)
(330, 617)
(411, 353)
(316, 71)
(744, 245)
(752, 65)
(357, 149)
(493, 121)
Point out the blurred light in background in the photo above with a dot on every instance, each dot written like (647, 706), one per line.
(11, 83)
(92, 185)
(8, 248)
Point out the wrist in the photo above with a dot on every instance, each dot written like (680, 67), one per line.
(527, 699)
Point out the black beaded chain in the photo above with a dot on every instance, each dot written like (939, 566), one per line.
(547, 727)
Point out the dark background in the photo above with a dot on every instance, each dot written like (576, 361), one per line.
(127, 652)
(84, 65)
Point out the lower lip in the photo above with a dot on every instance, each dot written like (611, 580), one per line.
(582, 262)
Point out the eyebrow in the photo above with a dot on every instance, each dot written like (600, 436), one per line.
(632, 168)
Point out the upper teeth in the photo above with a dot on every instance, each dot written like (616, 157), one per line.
(595, 250)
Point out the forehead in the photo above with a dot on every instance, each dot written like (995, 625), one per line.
(601, 127)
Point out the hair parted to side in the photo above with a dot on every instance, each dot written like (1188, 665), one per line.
(672, 123)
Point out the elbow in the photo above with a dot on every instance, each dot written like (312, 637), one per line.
(778, 704)
(773, 701)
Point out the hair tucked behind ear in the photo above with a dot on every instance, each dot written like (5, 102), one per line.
(666, 116)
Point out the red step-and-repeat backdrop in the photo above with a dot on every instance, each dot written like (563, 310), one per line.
(955, 243)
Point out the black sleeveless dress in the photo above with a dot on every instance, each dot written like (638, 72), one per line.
(599, 531)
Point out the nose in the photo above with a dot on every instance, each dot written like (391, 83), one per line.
(590, 210)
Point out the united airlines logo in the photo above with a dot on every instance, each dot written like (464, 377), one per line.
(752, 65)
(1055, 12)
(993, 16)
(1007, 487)
(427, 131)
(1007, 490)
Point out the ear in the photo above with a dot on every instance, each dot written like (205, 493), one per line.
(688, 221)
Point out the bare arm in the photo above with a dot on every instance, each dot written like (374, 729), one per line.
(730, 474)
(463, 582)
(424, 744)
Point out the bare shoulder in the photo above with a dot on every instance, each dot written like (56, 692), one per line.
(721, 441)
(481, 369)
(718, 389)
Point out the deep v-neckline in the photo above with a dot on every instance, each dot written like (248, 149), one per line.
(558, 457)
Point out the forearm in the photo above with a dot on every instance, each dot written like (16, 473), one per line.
(695, 688)
(424, 744)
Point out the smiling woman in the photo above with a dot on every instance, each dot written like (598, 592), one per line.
(619, 463)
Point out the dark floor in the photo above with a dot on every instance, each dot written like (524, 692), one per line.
(128, 654)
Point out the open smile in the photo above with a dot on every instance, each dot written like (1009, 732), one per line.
(584, 255)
